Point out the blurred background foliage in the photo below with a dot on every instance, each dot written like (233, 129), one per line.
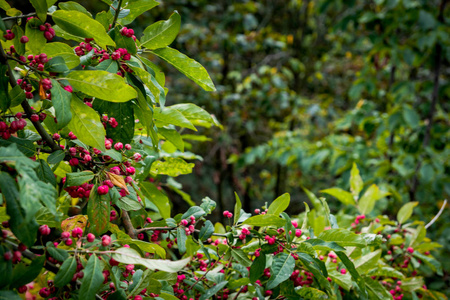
(307, 88)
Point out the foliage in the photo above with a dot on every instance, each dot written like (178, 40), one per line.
(86, 129)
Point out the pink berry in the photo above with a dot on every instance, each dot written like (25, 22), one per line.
(298, 232)
(24, 39)
(68, 241)
(73, 162)
(90, 237)
(44, 230)
(68, 88)
(106, 240)
(8, 255)
(410, 250)
(65, 235)
(77, 232)
(127, 146)
(343, 271)
(34, 118)
(118, 146)
(103, 190)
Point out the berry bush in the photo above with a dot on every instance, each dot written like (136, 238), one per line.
(88, 148)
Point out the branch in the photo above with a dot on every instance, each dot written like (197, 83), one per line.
(19, 17)
(27, 108)
(438, 215)
(116, 16)
(128, 225)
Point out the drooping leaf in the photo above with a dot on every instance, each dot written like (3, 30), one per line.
(66, 272)
(241, 257)
(93, 278)
(343, 196)
(375, 289)
(26, 146)
(181, 240)
(17, 95)
(172, 136)
(195, 211)
(137, 7)
(206, 231)
(257, 268)
(86, 125)
(71, 5)
(213, 291)
(56, 157)
(366, 262)
(311, 293)
(131, 256)
(162, 33)
(78, 178)
(102, 84)
(61, 101)
(189, 67)
(41, 8)
(45, 173)
(36, 37)
(25, 274)
(343, 237)
(79, 24)
(354, 273)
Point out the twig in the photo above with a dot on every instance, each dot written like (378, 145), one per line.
(116, 15)
(204, 275)
(27, 108)
(128, 225)
(438, 215)
(19, 17)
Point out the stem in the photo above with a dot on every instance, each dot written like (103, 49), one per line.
(128, 225)
(204, 275)
(19, 17)
(116, 16)
(27, 108)
(438, 215)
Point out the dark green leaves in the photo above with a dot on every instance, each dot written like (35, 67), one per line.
(343, 237)
(93, 278)
(206, 231)
(162, 33)
(78, 178)
(137, 7)
(41, 8)
(81, 25)
(265, 220)
(281, 269)
(257, 268)
(61, 102)
(23, 274)
(66, 272)
(102, 84)
(213, 291)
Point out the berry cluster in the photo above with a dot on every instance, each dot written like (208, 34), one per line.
(49, 32)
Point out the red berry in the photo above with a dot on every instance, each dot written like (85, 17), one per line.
(44, 230)
(34, 118)
(8, 255)
(106, 240)
(77, 232)
(103, 190)
(24, 39)
(90, 237)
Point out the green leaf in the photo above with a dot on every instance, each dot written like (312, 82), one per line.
(375, 289)
(25, 231)
(237, 208)
(19, 47)
(71, 5)
(102, 84)
(213, 291)
(124, 115)
(118, 295)
(147, 247)
(322, 245)
(25, 274)
(412, 284)
(281, 269)
(279, 205)
(5, 100)
(371, 195)
(86, 125)
(61, 102)
(79, 24)
(45, 173)
(311, 293)
(356, 182)
(93, 278)
(108, 65)
(56, 65)
(434, 264)
(206, 231)
(62, 50)
(265, 220)
(172, 167)
(12, 154)
(411, 117)
(128, 204)
(352, 270)
(385, 271)
(36, 37)
(208, 205)
(17, 95)
(343, 280)
(406, 211)
(25, 146)
(156, 197)
(343, 237)
(318, 272)
(241, 257)
(173, 137)
(57, 253)
(171, 116)
(9, 295)
(195, 211)
(162, 33)
(196, 115)
(181, 240)
(131, 256)
(41, 8)
(56, 157)
(257, 268)
(157, 93)
(98, 211)
(137, 7)
(366, 262)
(123, 41)
(66, 272)
(343, 196)
(189, 67)
(78, 178)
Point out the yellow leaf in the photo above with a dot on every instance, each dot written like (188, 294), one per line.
(118, 181)
(76, 221)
